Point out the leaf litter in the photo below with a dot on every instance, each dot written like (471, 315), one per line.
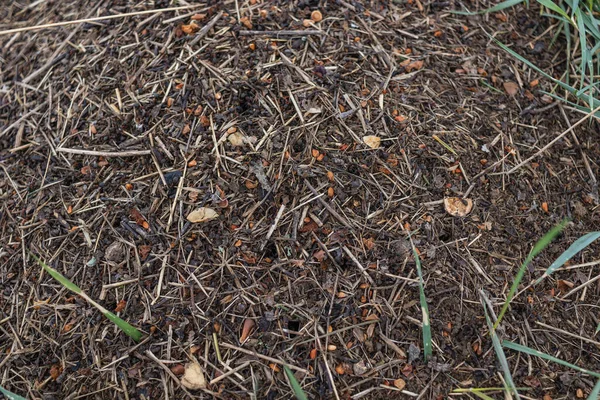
(116, 146)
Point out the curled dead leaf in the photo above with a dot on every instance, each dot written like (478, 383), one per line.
(372, 141)
(246, 329)
(458, 207)
(202, 214)
(193, 378)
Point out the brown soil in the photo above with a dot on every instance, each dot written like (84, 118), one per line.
(311, 242)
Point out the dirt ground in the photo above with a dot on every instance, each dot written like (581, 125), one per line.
(321, 144)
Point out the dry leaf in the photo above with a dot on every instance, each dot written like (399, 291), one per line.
(511, 88)
(400, 383)
(416, 65)
(120, 306)
(246, 22)
(458, 207)
(189, 29)
(55, 371)
(236, 139)
(248, 325)
(202, 214)
(372, 141)
(178, 369)
(193, 377)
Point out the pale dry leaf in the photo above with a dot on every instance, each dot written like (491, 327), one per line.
(458, 207)
(372, 141)
(236, 139)
(193, 378)
(511, 88)
(202, 214)
(400, 383)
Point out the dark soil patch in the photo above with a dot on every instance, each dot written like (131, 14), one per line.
(311, 241)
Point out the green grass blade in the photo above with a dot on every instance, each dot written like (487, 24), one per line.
(483, 396)
(10, 395)
(123, 325)
(582, 44)
(427, 344)
(533, 352)
(595, 393)
(597, 329)
(296, 388)
(575, 248)
(539, 246)
(497, 7)
(554, 7)
(58, 276)
(508, 380)
(516, 55)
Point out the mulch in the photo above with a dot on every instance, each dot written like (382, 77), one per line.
(320, 145)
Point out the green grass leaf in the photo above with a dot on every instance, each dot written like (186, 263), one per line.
(539, 246)
(497, 7)
(10, 395)
(58, 276)
(554, 7)
(595, 393)
(123, 325)
(427, 343)
(533, 352)
(575, 248)
(296, 388)
(508, 380)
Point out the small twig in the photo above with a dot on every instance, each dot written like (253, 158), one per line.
(95, 19)
(274, 226)
(168, 371)
(266, 358)
(358, 264)
(281, 33)
(202, 32)
(228, 373)
(326, 205)
(100, 153)
(546, 147)
(567, 333)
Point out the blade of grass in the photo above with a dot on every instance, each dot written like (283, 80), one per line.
(554, 7)
(123, 325)
(508, 380)
(575, 248)
(533, 352)
(427, 345)
(296, 388)
(595, 393)
(539, 246)
(10, 395)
